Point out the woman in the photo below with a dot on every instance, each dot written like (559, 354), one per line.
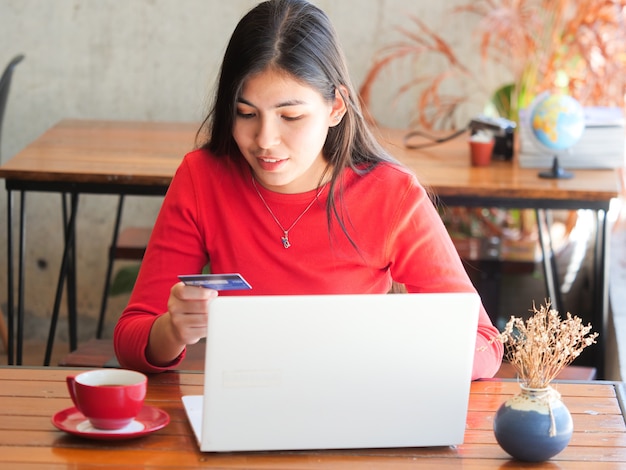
(292, 191)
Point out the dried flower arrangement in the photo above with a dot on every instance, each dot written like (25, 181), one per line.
(572, 45)
(540, 347)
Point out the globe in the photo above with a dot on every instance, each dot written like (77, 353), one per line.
(557, 123)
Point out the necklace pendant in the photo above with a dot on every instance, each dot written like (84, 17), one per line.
(285, 240)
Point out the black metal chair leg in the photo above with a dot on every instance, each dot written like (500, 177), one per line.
(550, 268)
(109, 271)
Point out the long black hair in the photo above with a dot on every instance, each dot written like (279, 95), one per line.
(298, 38)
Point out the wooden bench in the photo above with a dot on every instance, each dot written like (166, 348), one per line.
(132, 242)
(98, 353)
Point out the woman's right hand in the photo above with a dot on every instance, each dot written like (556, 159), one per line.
(188, 308)
(185, 322)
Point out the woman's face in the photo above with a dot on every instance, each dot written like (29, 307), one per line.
(280, 127)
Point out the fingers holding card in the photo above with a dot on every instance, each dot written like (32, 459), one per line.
(231, 281)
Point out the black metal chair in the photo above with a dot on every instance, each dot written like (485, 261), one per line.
(5, 85)
(128, 244)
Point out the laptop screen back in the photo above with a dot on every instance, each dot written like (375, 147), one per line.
(336, 371)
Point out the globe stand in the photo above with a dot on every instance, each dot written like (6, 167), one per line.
(557, 171)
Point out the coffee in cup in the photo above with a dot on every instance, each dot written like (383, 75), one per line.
(109, 398)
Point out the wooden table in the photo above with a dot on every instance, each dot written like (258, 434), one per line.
(77, 157)
(117, 157)
(446, 170)
(29, 397)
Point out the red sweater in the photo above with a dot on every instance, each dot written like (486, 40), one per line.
(212, 212)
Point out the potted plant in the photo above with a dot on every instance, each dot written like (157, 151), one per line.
(535, 425)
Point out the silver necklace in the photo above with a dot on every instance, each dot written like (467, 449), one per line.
(285, 238)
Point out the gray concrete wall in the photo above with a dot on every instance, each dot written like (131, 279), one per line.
(154, 60)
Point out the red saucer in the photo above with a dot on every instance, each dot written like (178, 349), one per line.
(148, 420)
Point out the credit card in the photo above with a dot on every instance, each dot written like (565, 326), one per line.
(232, 281)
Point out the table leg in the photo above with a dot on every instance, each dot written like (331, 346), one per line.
(15, 318)
(10, 300)
(72, 313)
(66, 265)
(600, 290)
(20, 281)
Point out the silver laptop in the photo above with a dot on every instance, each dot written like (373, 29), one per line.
(335, 372)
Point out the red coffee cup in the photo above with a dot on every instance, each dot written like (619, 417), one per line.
(109, 398)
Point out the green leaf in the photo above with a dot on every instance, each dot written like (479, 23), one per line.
(124, 280)
(502, 100)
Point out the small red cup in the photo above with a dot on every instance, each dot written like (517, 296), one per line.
(481, 151)
(109, 398)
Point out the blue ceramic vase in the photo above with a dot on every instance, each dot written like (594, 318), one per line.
(534, 425)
